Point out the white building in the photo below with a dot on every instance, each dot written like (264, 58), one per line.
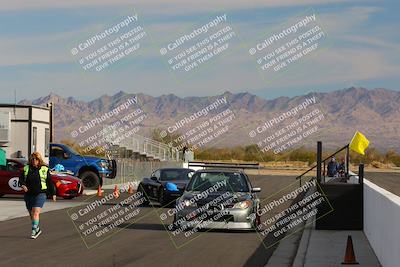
(24, 130)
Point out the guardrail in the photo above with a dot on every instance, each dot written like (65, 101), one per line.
(223, 165)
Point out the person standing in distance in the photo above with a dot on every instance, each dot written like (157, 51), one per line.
(333, 168)
(36, 182)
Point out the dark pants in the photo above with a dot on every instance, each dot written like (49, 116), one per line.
(32, 201)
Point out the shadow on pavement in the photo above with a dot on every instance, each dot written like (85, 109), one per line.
(143, 226)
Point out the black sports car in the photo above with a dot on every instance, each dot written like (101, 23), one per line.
(165, 185)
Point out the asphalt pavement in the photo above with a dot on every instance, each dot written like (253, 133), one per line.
(387, 180)
(145, 242)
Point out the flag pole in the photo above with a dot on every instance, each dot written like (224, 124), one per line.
(347, 160)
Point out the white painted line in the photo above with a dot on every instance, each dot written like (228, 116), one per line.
(15, 208)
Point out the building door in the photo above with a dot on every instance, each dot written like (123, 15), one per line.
(34, 139)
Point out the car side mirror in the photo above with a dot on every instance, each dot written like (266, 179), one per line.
(66, 155)
(256, 189)
(153, 178)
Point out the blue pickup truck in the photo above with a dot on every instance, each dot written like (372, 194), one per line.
(91, 170)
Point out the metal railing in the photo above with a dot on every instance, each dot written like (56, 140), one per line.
(144, 146)
(324, 163)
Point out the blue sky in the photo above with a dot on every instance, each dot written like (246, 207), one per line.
(362, 47)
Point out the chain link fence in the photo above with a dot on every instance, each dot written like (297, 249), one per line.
(129, 170)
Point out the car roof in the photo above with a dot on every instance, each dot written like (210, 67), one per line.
(20, 160)
(220, 170)
(171, 169)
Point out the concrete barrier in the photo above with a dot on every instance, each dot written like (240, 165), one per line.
(382, 223)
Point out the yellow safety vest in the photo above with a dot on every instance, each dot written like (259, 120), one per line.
(43, 175)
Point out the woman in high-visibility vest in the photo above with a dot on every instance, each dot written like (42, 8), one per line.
(35, 181)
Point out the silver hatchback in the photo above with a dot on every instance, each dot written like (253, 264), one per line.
(217, 199)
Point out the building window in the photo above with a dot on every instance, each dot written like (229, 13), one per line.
(34, 139)
(46, 142)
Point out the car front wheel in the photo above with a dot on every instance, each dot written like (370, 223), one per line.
(161, 198)
(141, 190)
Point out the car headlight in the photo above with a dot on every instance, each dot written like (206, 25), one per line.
(172, 187)
(103, 164)
(65, 182)
(243, 204)
(188, 203)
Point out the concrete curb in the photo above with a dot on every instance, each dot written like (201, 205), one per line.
(288, 252)
(133, 183)
(91, 192)
(284, 254)
(299, 260)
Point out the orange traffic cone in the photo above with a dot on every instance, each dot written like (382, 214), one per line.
(99, 192)
(130, 189)
(349, 257)
(116, 191)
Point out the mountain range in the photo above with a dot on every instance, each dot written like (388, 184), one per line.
(375, 112)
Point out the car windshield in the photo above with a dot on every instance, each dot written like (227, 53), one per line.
(169, 175)
(223, 181)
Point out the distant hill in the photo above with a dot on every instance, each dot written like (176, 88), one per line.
(375, 112)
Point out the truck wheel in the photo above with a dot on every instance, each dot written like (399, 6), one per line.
(90, 179)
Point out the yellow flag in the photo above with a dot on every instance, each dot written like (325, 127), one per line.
(359, 143)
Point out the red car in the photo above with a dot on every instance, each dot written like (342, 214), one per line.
(67, 186)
